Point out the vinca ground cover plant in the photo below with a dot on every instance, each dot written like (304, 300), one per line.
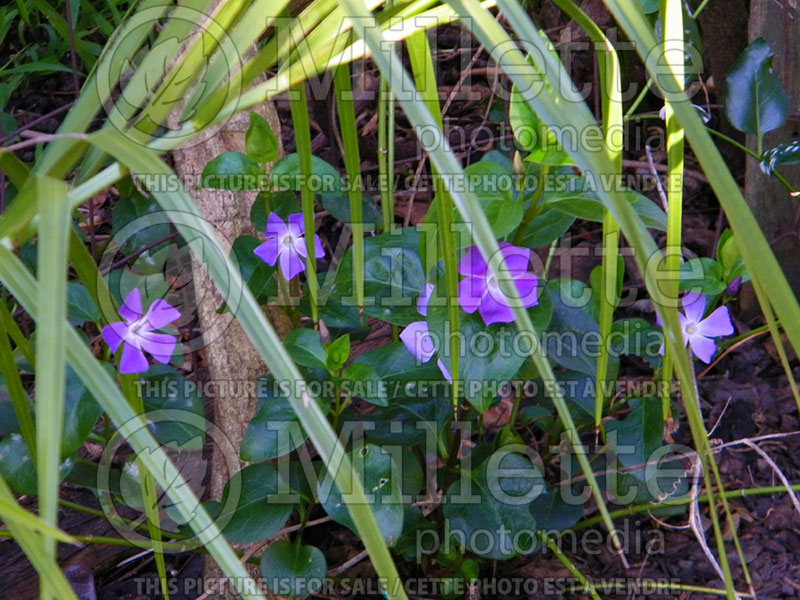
(490, 327)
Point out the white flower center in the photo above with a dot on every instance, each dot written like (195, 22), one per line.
(492, 284)
(691, 328)
(287, 239)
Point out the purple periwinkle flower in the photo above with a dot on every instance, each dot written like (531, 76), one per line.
(287, 244)
(480, 290)
(137, 333)
(699, 332)
(417, 337)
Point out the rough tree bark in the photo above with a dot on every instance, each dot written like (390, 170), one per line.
(775, 209)
(230, 356)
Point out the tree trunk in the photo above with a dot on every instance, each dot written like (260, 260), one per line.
(775, 209)
(230, 356)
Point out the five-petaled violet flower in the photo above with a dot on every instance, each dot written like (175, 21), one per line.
(697, 331)
(137, 333)
(480, 290)
(417, 337)
(286, 242)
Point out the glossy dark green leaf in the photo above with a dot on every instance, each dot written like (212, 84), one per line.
(755, 100)
(17, 467)
(587, 205)
(488, 512)
(256, 516)
(398, 375)
(81, 412)
(289, 569)
(489, 355)
(549, 226)
(325, 179)
(232, 171)
(133, 222)
(378, 473)
(164, 389)
(573, 337)
(258, 275)
(393, 278)
(80, 306)
(260, 143)
(305, 348)
(282, 204)
(339, 207)
(702, 275)
(554, 513)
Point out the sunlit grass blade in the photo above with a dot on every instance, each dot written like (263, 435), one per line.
(190, 223)
(54, 222)
(673, 47)
(386, 152)
(419, 53)
(298, 103)
(343, 89)
(148, 488)
(30, 532)
(611, 98)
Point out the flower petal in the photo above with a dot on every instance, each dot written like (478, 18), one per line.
(417, 338)
(517, 259)
(471, 291)
(275, 226)
(424, 299)
(299, 245)
(694, 305)
(131, 308)
(702, 347)
(159, 345)
(319, 251)
(291, 264)
(161, 313)
(472, 263)
(717, 324)
(493, 311)
(527, 285)
(114, 333)
(296, 225)
(132, 360)
(268, 251)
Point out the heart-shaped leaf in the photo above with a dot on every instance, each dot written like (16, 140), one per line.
(290, 569)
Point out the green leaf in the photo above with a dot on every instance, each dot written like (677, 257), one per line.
(395, 374)
(80, 308)
(489, 355)
(755, 100)
(553, 513)
(164, 389)
(393, 277)
(292, 570)
(378, 473)
(17, 467)
(339, 207)
(488, 511)
(281, 203)
(81, 412)
(573, 339)
(305, 348)
(533, 135)
(258, 275)
(702, 275)
(255, 516)
(132, 222)
(232, 171)
(549, 226)
(783, 154)
(259, 141)
(274, 430)
(325, 179)
(338, 351)
(587, 204)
